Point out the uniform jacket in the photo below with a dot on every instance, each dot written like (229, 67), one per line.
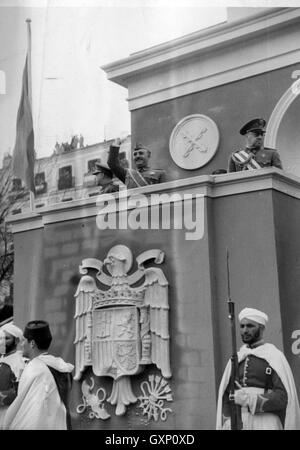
(137, 178)
(265, 157)
(109, 188)
(277, 361)
(132, 178)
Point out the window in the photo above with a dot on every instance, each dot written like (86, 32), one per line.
(40, 183)
(65, 177)
(39, 178)
(91, 165)
(16, 184)
(16, 211)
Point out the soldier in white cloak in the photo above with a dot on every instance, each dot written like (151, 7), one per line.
(266, 389)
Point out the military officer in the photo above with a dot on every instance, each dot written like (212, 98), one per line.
(143, 175)
(104, 178)
(255, 155)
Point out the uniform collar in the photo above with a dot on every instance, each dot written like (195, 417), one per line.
(254, 151)
(256, 344)
(143, 169)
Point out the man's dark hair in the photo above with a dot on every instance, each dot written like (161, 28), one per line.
(39, 332)
(43, 343)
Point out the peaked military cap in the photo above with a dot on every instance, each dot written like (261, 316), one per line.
(36, 330)
(253, 125)
(139, 146)
(101, 167)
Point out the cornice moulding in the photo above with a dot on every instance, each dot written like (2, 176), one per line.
(208, 58)
(200, 41)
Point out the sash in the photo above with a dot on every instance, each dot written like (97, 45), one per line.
(246, 160)
(135, 179)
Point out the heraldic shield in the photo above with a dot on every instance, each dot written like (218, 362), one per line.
(115, 344)
(120, 328)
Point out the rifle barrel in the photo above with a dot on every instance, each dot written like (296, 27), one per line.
(235, 416)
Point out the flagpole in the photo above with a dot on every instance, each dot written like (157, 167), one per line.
(28, 21)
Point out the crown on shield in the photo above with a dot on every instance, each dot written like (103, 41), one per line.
(121, 295)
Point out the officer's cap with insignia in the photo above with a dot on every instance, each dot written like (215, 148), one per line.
(139, 146)
(102, 168)
(253, 125)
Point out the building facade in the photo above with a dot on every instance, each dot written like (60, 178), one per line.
(141, 307)
(65, 175)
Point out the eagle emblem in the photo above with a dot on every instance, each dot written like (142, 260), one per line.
(120, 328)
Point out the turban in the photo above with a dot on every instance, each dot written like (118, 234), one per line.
(13, 330)
(253, 314)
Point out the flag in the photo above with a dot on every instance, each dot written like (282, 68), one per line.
(23, 155)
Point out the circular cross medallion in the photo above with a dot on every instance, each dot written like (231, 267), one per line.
(194, 141)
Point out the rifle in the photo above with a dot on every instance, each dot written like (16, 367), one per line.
(235, 410)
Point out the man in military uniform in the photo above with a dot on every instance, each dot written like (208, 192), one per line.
(266, 389)
(104, 178)
(255, 155)
(143, 175)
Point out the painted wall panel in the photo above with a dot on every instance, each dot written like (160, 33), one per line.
(62, 248)
(230, 106)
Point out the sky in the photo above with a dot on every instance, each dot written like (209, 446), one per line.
(71, 40)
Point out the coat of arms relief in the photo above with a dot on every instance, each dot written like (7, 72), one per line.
(119, 328)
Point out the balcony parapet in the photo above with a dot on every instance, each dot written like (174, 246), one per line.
(209, 186)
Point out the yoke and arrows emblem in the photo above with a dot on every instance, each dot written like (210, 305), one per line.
(120, 328)
(193, 142)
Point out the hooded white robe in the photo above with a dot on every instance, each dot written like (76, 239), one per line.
(38, 405)
(278, 362)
